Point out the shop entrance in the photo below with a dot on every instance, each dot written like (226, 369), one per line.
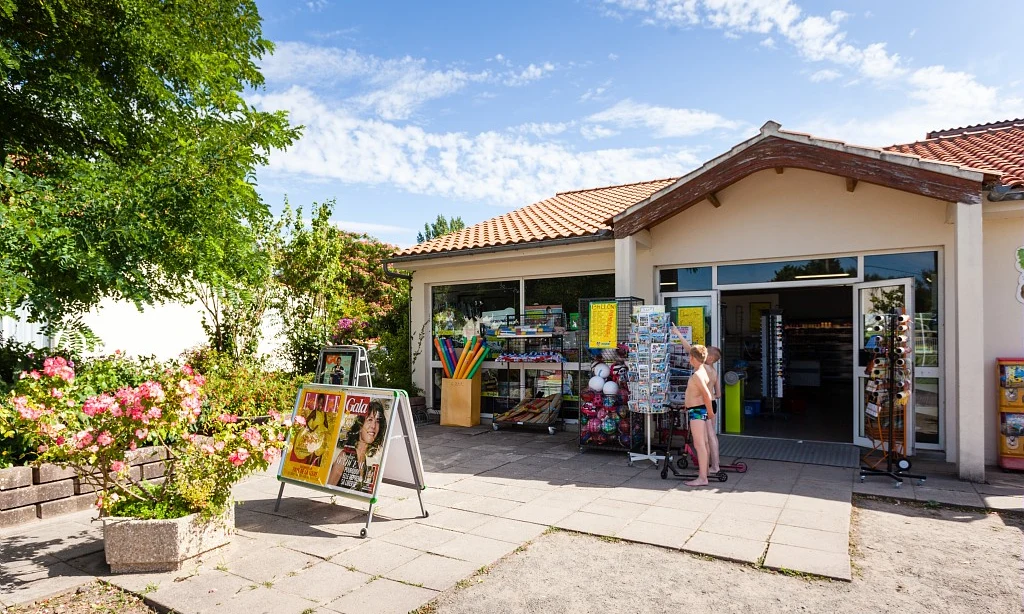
(817, 361)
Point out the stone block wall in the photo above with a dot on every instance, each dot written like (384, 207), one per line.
(28, 494)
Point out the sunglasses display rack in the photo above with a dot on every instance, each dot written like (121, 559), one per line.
(887, 397)
(772, 359)
(648, 364)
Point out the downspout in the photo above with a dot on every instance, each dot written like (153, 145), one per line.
(407, 277)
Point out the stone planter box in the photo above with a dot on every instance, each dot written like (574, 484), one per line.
(146, 546)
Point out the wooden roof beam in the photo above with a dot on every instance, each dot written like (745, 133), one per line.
(713, 199)
(779, 170)
(851, 184)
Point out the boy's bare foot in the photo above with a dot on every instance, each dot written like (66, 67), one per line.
(697, 482)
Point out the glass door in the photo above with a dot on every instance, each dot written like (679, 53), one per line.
(700, 311)
(871, 299)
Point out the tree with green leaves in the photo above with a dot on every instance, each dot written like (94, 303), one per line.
(326, 275)
(129, 151)
(440, 227)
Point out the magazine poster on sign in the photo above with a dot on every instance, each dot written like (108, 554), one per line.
(359, 449)
(310, 450)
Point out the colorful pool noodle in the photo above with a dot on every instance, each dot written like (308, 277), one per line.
(467, 350)
(443, 355)
(468, 353)
(450, 349)
(482, 356)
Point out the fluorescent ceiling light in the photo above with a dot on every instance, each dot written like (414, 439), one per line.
(668, 283)
(822, 276)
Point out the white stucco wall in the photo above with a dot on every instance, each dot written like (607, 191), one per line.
(164, 331)
(1004, 313)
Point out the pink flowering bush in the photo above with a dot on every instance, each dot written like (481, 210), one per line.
(349, 331)
(98, 433)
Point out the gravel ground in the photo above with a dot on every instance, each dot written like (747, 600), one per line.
(94, 598)
(906, 559)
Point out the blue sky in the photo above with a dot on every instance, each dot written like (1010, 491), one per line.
(474, 108)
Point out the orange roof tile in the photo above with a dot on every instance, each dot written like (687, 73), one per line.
(997, 147)
(580, 213)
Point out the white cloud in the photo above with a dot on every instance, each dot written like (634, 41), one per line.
(826, 74)
(596, 93)
(664, 122)
(405, 84)
(317, 5)
(542, 129)
(877, 64)
(592, 132)
(613, 56)
(497, 167)
(912, 33)
(768, 42)
(531, 73)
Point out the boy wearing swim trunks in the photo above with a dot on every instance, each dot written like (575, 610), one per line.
(698, 402)
(714, 355)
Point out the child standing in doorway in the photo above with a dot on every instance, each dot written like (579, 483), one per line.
(698, 405)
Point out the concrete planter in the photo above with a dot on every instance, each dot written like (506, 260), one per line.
(145, 546)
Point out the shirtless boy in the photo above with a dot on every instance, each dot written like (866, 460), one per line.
(714, 355)
(698, 404)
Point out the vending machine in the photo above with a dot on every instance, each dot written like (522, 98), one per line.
(1011, 413)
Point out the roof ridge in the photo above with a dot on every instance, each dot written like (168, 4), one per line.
(973, 129)
(621, 185)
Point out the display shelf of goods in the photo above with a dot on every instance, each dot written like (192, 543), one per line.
(537, 412)
(603, 408)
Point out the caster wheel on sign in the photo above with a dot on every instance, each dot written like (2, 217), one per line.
(682, 463)
(494, 426)
(861, 479)
(551, 430)
(920, 482)
(362, 533)
(426, 514)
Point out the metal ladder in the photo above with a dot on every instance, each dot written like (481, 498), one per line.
(363, 379)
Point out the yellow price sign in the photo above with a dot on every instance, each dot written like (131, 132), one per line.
(694, 318)
(604, 330)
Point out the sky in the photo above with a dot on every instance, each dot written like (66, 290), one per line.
(472, 109)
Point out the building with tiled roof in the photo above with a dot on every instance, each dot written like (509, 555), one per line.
(825, 232)
(996, 147)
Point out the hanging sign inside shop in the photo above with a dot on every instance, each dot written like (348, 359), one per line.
(694, 318)
(604, 332)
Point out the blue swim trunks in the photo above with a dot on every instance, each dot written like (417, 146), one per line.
(697, 413)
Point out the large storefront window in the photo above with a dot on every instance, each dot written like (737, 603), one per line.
(464, 310)
(566, 292)
(685, 280)
(820, 270)
(923, 267)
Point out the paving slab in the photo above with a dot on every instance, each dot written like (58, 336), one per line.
(322, 544)
(268, 564)
(594, 524)
(805, 560)
(490, 506)
(455, 520)
(614, 508)
(207, 591)
(688, 500)
(655, 534)
(673, 517)
(812, 539)
(539, 514)
(635, 494)
(748, 511)
(949, 497)
(40, 582)
(520, 494)
(1003, 503)
(420, 536)
(725, 547)
(376, 557)
(475, 549)
(513, 531)
(322, 583)
(734, 526)
(833, 522)
(383, 596)
(432, 571)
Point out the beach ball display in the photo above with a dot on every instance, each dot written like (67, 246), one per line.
(611, 388)
(602, 370)
(597, 383)
(624, 440)
(584, 438)
(599, 439)
(594, 426)
(588, 395)
(602, 414)
(610, 426)
(588, 410)
(610, 401)
(624, 427)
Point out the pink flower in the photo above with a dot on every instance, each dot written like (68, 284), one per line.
(239, 456)
(154, 413)
(228, 418)
(252, 435)
(94, 448)
(26, 412)
(57, 366)
(132, 446)
(56, 393)
(219, 445)
(271, 455)
(151, 390)
(34, 375)
(83, 439)
(187, 369)
(207, 448)
(59, 441)
(142, 433)
(300, 421)
(95, 406)
(276, 415)
(118, 466)
(105, 439)
(43, 448)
